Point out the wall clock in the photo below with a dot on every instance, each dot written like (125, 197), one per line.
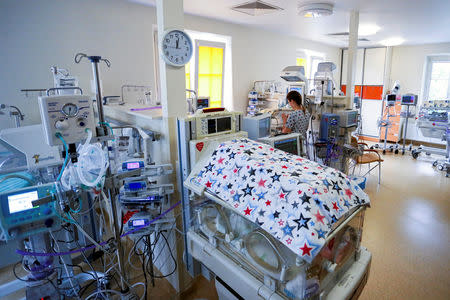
(176, 47)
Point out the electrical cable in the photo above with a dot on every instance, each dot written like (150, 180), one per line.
(145, 289)
(84, 289)
(66, 159)
(15, 274)
(65, 266)
(27, 253)
(173, 258)
(103, 291)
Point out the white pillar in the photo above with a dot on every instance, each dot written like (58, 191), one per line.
(352, 52)
(170, 15)
(387, 70)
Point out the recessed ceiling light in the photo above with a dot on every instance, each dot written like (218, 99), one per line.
(393, 41)
(368, 29)
(315, 10)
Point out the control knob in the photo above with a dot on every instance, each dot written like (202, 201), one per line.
(62, 125)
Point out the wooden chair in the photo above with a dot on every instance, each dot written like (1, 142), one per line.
(366, 156)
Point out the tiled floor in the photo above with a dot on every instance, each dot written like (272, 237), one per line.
(407, 231)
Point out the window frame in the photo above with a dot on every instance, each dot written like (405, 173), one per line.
(311, 64)
(205, 43)
(429, 61)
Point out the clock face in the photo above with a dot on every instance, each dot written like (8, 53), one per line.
(176, 48)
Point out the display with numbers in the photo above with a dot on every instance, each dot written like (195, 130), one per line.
(176, 47)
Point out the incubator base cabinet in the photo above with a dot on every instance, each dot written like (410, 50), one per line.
(251, 264)
(268, 224)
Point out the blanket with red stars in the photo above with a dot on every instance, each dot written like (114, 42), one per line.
(294, 199)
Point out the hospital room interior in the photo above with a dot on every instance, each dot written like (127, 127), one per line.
(224, 149)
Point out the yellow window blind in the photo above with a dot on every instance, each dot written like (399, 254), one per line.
(210, 74)
(187, 70)
(301, 62)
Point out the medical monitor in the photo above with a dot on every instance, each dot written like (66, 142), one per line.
(257, 126)
(21, 202)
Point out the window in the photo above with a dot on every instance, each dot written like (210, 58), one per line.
(301, 62)
(209, 71)
(315, 60)
(437, 84)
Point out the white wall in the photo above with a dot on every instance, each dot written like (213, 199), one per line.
(408, 64)
(258, 54)
(38, 34)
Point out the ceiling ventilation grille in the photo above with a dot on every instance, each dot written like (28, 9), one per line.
(343, 36)
(256, 8)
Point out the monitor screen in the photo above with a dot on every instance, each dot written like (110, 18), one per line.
(133, 165)
(352, 119)
(299, 89)
(140, 222)
(408, 99)
(288, 145)
(264, 127)
(202, 103)
(21, 202)
(391, 97)
(211, 126)
(223, 124)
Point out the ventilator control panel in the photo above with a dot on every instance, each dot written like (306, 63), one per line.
(67, 115)
(19, 214)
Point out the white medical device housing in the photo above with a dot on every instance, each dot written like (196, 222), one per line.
(208, 122)
(68, 115)
(257, 126)
(294, 74)
(409, 99)
(348, 118)
(290, 143)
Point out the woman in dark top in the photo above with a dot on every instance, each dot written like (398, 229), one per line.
(298, 120)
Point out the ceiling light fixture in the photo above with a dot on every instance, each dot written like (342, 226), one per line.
(315, 10)
(393, 41)
(368, 29)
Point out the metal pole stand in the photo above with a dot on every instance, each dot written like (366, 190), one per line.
(405, 130)
(111, 189)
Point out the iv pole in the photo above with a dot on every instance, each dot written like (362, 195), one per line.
(112, 192)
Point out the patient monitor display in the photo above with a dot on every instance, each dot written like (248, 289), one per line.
(21, 202)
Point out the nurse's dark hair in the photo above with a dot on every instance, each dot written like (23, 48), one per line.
(295, 96)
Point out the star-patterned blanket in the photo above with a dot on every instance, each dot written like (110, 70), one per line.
(294, 199)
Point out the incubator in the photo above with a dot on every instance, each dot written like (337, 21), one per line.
(268, 223)
(433, 121)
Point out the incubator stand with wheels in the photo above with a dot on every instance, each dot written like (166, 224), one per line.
(433, 121)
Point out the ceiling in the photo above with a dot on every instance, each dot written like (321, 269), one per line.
(416, 21)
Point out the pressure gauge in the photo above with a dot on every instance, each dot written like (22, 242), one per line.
(176, 47)
(69, 110)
